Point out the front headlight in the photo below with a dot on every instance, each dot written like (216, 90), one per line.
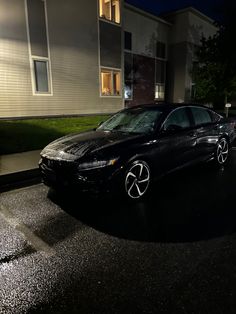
(97, 164)
(57, 154)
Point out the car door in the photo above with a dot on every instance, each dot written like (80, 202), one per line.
(177, 139)
(206, 130)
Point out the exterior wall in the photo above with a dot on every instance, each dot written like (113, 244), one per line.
(188, 27)
(176, 72)
(79, 44)
(146, 31)
(144, 80)
(15, 81)
(74, 50)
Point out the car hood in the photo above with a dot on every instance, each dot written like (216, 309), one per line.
(75, 146)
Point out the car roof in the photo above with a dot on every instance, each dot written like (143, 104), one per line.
(165, 106)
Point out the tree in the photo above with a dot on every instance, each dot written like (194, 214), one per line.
(215, 76)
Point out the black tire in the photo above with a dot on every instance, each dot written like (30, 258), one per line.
(137, 180)
(222, 152)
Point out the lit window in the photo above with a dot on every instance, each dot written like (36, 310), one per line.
(160, 79)
(129, 76)
(128, 90)
(41, 76)
(160, 91)
(110, 10)
(110, 83)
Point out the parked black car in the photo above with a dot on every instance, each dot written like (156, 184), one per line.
(135, 146)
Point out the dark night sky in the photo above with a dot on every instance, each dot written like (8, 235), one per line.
(208, 7)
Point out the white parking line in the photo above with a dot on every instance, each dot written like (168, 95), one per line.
(233, 148)
(35, 242)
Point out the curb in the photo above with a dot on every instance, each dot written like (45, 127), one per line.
(19, 179)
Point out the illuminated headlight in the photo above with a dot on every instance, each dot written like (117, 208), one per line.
(97, 164)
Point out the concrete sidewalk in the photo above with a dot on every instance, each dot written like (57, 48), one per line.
(15, 169)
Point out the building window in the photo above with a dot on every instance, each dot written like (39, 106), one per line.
(160, 79)
(160, 50)
(129, 76)
(160, 91)
(128, 41)
(38, 45)
(110, 82)
(110, 10)
(41, 76)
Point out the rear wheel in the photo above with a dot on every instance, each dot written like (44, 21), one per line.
(137, 179)
(222, 152)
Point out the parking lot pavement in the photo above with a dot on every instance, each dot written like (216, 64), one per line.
(172, 253)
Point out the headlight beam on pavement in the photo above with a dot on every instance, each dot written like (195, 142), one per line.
(35, 242)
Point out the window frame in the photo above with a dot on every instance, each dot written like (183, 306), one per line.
(173, 111)
(112, 71)
(33, 57)
(112, 21)
(131, 41)
(164, 60)
(131, 80)
(160, 85)
(204, 123)
(46, 60)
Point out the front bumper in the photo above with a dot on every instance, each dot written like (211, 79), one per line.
(64, 174)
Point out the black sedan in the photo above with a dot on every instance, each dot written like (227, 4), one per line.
(135, 146)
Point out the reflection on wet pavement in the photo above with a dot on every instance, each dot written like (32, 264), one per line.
(190, 205)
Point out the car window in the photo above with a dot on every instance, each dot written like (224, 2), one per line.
(178, 117)
(214, 116)
(134, 121)
(201, 116)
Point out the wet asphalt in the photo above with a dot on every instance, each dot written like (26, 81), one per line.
(174, 252)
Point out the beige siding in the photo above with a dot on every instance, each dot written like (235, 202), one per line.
(15, 84)
(73, 41)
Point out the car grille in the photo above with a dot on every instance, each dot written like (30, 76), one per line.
(58, 170)
(59, 165)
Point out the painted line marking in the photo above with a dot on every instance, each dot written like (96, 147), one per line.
(35, 242)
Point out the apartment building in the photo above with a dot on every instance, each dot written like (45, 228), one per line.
(84, 57)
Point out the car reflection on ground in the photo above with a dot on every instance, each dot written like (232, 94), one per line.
(189, 205)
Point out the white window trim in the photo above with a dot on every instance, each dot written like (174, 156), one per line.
(32, 58)
(100, 87)
(36, 58)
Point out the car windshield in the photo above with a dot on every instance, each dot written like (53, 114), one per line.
(133, 121)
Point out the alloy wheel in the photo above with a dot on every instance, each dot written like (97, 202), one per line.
(137, 179)
(222, 151)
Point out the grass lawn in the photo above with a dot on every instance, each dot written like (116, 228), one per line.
(23, 135)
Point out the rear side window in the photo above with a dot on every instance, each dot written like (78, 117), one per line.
(178, 117)
(215, 116)
(201, 116)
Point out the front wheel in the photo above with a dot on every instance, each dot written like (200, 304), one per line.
(222, 152)
(137, 179)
